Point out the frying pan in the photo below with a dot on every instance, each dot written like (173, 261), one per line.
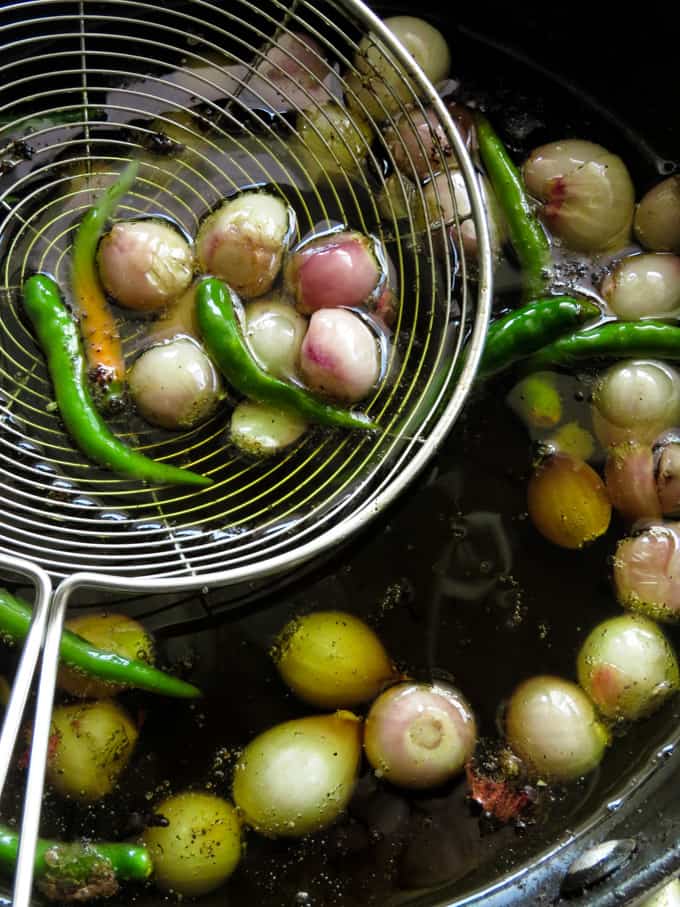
(619, 72)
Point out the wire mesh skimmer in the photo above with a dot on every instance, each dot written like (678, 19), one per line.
(203, 94)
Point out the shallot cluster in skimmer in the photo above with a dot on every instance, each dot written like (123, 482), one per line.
(313, 314)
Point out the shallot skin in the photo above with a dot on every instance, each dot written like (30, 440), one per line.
(144, 264)
(380, 86)
(339, 357)
(567, 502)
(260, 430)
(647, 572)
(340, 269)
(93, 743)
(292, 74)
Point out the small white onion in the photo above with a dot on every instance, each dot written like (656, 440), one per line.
(628, 667)
(418, 144)
(587, 193)
(668, 896)
(339, 356)
(336, 269)
(179, 318)
(332, 660)
(144, 264)
(419, 735)
(647, 573)
(261, 430)
(333, 139)
(175, 385)
(92, 744)
(382, 85)
(292, 75)
(444, 200)
(296, 778)
(243, 241)
(668, 477)
(425, 43)
(644, 286)
(657, 219)
(631, 483)
(275, 331)
(200, 846)
(552, 726)
(635, 400)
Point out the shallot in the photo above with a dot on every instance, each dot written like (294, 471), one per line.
(144, 264)
(297, 777)
(628, 667)
(332, 659)
(419, 735)
(552, 726)
(586, 191)
(340, 357)
(244, 240)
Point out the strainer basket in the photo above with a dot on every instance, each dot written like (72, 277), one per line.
(201, 93)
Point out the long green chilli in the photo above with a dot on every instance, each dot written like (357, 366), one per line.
(78, 871)
(524, 331)
(528, 237)
(613, 340)
(15, 619)
(58, 336)
(224, 341)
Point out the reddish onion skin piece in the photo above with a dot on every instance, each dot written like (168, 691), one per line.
(339, 357)
(647, 573)
(631, 484)
(668, 479)
(419, 735)
(336, 270)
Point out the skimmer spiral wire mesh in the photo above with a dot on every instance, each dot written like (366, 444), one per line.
(201, 93)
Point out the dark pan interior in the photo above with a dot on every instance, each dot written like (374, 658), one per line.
(611, 82)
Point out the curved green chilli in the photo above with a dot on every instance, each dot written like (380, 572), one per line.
(527, 235)
(58, 337)
(15, 619)
(613, 340)
(223, 339)
(524, 331)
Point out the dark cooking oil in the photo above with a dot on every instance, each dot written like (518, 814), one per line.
(458, 585)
